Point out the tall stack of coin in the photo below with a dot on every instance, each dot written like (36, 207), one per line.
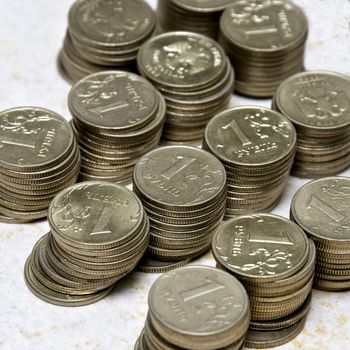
(183, 190)
(105, 34)
(265, 41)
(99, 231)
(117, 117)
(275, 261)
(194, 16)
(196, 307)
(318, 105)
(321, 209)
(257, 147)
(38, 158)
(193, 74)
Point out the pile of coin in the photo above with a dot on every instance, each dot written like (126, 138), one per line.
(195, 77)
(318, 104)
(257, 147)
(194, 16)
(117, 117)
(265, 41)
(99, 231)
(196, 307)
(321, 209)
(183, 190)
(38, 158)
(105, 34)
(275, 261)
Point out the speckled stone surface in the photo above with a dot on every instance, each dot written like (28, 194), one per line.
(31, 33)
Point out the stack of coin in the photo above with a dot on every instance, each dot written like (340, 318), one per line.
(196, 307)
(194, 16)
(105, 34)
(265, 41)
(318, 105)
(38, 158)
(99, 231)
(275, 261)
(117, 117)
(257, 147)
(183, 190)
(321, 209)
(193, 74)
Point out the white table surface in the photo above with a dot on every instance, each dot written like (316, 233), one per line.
(31, 34)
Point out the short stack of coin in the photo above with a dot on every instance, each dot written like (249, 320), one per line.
(117, 117)
(195, 77)
(38, 158)
(257, 147)
(318, 103)
(275, 261)
(196, 307)
(194, 16)
(99, 231)
(105, 34)
(265, 41)
(183, 190)
(321, 209)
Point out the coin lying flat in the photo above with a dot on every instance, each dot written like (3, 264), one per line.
(105, 34)
(275, 261)
(212, 310)
(317, 104)
(265, 42)
(321, 209)
(194, 76)
(256, 146)
(99, 232)
(183, 190)
(38, 157)
(117, 117)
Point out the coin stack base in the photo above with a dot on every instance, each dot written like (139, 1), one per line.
(105, 35)
(193, 74)
(276, 263)
(317, 104)
(38, 158)
(99, 232)
(321, 209)
(183, 191)
(257, 146)
(165, 330)
(265, 42)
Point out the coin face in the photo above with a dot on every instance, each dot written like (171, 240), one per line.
(198, 301)
(316, 100)
(95, 213)
(181, 59)
(111, 22)
(250, 136)
(264, 25)
(113, 100)
(179, 175)
(262, 246)
(321, 208)
(32, 137)
(203, 5)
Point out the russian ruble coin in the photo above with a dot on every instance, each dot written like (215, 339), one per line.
(265, 42)
(316, 103)
(194, 76)
(257, 147)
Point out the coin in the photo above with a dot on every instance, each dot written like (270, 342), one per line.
(316, 103)
(265, 42)
(194, 76)
(257, 148)
(117, 117)
(38, 157)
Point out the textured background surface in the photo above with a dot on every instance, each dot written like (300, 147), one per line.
(31, 32)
